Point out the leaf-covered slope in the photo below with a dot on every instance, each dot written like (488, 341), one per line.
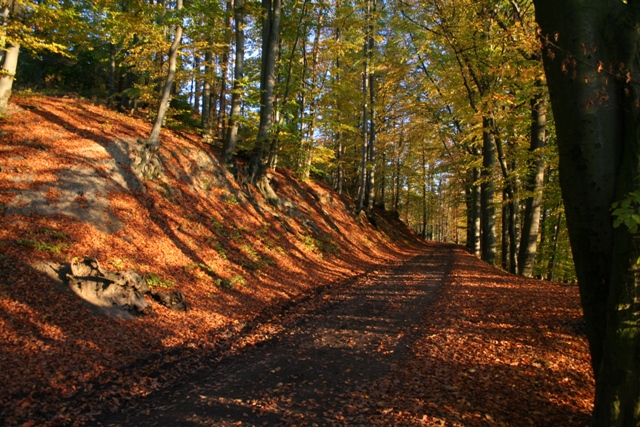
(67, 191)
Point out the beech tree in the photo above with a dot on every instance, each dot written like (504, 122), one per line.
(591, 61)
(18, 30)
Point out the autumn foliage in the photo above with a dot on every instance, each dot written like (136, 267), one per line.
(497, 349)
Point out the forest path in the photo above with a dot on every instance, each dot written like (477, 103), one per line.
(309, 372)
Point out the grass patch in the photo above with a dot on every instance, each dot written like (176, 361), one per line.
(158, 282)
(231, 283)
(45, 240)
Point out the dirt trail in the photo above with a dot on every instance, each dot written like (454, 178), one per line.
(309, 373)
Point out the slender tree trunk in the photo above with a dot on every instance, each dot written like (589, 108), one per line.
(371, 149)
(365, 129)
(163, 106)
(383, 182)
(206, 95)
(513, 231)
(551, 266)
(592, 69)
(531, 223)
(225, 65)
(509, 240)
(197, 85)
(473, 210)
(148, 165)
(397, 186)
(504, 241)
(231, 139)
(488, 222)
(340, 164)
(112, 71)
(424, 194)
(366, 192)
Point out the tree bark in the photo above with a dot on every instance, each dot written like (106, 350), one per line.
(367, 180)
(551, 266)
(7, 74)
(11, 54)
(163, 105)
(112, 71)
(592, 69)
(472, 191)
(488, 221)
(533, 203)
(225, 65)
(231, 138)
(424, 194)
(206, 95)
(270, 33)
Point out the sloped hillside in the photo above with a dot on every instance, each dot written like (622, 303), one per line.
(67, 192)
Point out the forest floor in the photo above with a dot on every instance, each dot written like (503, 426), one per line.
(436, 340)
(299, 316)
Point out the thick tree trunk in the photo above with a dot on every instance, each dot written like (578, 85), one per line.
(270, 33)
(7, 74)
(231, 138)
(533, 203)
(592, 70)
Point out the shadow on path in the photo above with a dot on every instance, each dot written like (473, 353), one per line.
(309, 373)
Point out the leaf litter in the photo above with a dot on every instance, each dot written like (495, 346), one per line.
(493, 349)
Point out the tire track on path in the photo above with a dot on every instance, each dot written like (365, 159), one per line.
(309, 373)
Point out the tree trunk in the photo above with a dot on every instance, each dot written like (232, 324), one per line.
(7, 74)
(424, 194)
(397, 186)
(367, 182)
(147, 165)
(206, 95)
(270, 33)
(225, 64)
(473, 210)
(592, 71)
(504, 241)
(533, 203)
(112, 71)
(365, 129)
(163, 105)
(488, 221)
(197, 85)
(371, 146)
(554, 250)
(231, 138)
(340, 164)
